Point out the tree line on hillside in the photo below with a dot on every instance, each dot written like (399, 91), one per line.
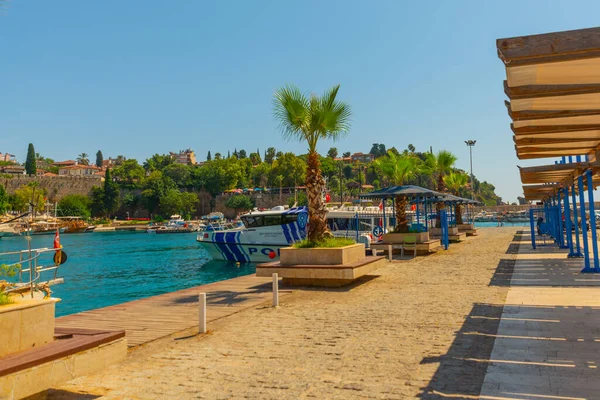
(163, 187)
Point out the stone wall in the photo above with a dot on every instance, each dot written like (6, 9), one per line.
(57, 186)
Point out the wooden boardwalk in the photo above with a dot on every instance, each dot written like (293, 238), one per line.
(154, 317)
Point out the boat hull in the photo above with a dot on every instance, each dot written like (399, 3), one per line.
(243, 253)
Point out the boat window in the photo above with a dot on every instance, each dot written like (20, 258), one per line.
(270, 220)
(289, 218)
(253, 221)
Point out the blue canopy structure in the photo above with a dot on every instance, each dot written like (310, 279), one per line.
(405, 191)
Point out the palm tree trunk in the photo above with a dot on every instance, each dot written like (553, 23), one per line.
(316, 209)
(458, 214)
(401, 220)
(439, 206)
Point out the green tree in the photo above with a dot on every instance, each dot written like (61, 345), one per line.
(130, 172)
(158, 162)
(75, 205)
(398, 169)
(189, 201)
(83, 159)
(97, 202)
(154, 187)
(4, 203)
(208, 156)
(348, 172)
(242, 154)
(99, 159)
(308, 119)
(170, 202)
(240, 202)
(179, 173)
(456, 182)
(30, 167)
(31, 195)
(346, 154)
(110, 194)
(291, 167)
(438, 165)
(332, 153)
(255, 158)
(270, 155)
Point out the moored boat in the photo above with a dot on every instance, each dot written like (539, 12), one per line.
(260, 238)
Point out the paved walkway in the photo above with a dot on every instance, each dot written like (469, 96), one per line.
(411, 330)
(148, 319)
(547, 345)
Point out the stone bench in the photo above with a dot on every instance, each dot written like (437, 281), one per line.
(321, 275)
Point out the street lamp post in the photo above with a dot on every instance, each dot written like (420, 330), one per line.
(471, 143)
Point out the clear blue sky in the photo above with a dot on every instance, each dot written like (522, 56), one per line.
(144, 77)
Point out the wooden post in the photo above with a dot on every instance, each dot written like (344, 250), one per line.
(275, 290)
(202, 319)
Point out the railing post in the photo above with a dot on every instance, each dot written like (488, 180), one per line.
(202, 312)
(275, 290)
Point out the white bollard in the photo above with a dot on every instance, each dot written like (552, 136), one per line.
(275, 290)
(202, 319)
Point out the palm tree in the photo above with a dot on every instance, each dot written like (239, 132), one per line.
(438, 165)
(280, 180)
(398, 168)
(455, 181)
(310, 118)
(83, 159)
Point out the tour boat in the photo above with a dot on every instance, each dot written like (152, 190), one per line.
(260, 238)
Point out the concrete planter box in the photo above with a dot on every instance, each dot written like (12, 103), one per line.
(452, 230)
(466, 227)
(422, 237)
(322, 256)
(26, 324)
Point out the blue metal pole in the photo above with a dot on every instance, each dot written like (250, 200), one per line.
(357, 226)
(561, 223)
(569, 227)
(578, 159)
(384, 219)
(586, 252)
(418, 223)
(532, 225)
(578, 252)
(593, 220)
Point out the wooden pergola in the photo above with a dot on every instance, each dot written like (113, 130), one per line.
(553, 84)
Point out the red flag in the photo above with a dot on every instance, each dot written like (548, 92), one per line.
(57, 240)
(381, 205)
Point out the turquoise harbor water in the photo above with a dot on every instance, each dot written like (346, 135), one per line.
(495, 224)
(111, 268)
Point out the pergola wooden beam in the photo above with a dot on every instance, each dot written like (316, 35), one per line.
(533, 91)
(533, 141)
(542, 114)
(549, 47)
(529, 130)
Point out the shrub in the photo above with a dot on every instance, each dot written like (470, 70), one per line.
(325, 243)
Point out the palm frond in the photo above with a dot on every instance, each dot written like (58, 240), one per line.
(291, 109)
(456, 181)
(398, 168)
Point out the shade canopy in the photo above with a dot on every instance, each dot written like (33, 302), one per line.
(450, 198)
(404, 191)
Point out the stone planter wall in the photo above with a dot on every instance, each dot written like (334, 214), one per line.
(452, 230)
(26, 324)
(466, 227)
(322, 256)
(422, 237)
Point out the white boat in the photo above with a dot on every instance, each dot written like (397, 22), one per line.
(8, 230)
(260, 238)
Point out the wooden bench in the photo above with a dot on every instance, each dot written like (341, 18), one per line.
(410, 243)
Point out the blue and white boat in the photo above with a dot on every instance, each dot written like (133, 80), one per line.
(260, 238)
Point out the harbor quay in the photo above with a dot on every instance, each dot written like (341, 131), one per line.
(489, 317)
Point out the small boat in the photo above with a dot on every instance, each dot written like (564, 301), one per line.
(9, 230)
(260, 238)
(176, 225)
